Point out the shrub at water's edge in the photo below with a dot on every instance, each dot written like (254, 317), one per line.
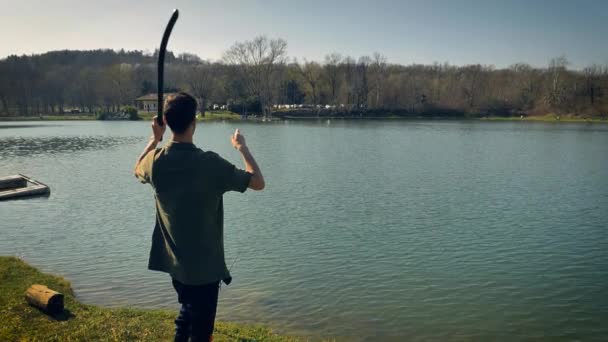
(131, 112)
(82, 322)
(126, 113)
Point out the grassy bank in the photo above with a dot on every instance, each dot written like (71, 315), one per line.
(389, 116)
(549, 118)
(82, 322)
(48, 117)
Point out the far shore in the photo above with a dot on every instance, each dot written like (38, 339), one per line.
(209, 116)
(231, 116)
(565, 119)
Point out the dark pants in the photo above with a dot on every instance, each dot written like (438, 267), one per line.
(197, 315)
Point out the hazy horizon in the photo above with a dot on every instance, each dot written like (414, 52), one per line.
(409, 32)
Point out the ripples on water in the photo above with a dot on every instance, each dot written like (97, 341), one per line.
(33, 146)
(366, 231)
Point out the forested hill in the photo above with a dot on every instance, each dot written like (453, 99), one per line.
(89, 80)
(258, 76)
(77, 58)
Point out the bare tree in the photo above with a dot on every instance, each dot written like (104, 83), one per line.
(201, 79)
(361, 82)
(593, 74)
(473, 83)
(121, 88)
(257, 60)
(84, 89)
(556, 90)
(525, 84)
(145, 78)
(52, 87)
(378, 70)
(311, 72)
(349, 65)
(332, 74)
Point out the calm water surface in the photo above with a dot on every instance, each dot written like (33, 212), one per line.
(366, 231)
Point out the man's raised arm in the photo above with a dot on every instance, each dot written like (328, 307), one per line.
(257, 179)
(157, 135)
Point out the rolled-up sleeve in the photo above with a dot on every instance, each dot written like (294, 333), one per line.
(143, 170)
(231, 177)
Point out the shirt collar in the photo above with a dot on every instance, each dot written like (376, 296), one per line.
(180, 145)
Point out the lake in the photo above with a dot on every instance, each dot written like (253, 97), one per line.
(367, 231)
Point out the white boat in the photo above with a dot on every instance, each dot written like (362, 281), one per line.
(20, 186)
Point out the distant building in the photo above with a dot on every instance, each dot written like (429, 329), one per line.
(148, 102)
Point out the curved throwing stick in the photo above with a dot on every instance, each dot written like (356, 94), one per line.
(161, 65)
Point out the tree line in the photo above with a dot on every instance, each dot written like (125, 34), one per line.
(257, 76)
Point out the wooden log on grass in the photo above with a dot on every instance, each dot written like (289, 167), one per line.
(44, 298)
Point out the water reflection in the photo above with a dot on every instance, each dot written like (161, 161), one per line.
(29, 146)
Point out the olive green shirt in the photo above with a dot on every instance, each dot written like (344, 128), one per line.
(188, 237)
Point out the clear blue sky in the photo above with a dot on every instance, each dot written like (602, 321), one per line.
(408, 31)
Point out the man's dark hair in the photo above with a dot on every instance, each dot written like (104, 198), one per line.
(180, 110)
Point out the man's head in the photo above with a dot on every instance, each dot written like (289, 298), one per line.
(180, 112)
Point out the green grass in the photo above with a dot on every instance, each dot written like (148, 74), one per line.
(82, 322)
(69, 117)
(209, 116)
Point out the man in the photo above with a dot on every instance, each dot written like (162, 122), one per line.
(188, 240)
